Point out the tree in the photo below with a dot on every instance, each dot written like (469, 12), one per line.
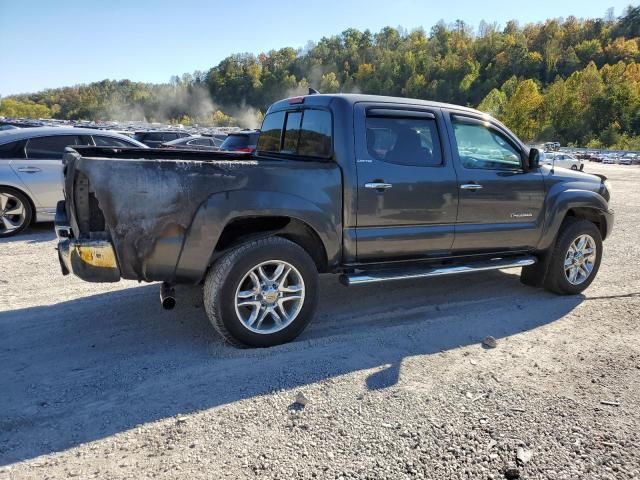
(522, 111)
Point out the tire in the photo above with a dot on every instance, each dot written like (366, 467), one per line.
(230, 281)
(573, 167)
(16, 202)
(558, 279)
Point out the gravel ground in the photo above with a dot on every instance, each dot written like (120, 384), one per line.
(98, 382)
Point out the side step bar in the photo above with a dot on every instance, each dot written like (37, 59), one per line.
(375, 276)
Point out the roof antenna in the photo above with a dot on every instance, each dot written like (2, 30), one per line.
(313, 91)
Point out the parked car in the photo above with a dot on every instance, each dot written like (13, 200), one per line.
(609, 159)
(193, 143)
(627, 159)
(154, 138)
(563, 160)
(31, 170)
(243, 141)
(375, 189)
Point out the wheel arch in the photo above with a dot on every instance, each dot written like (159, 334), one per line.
(229, 218)
(246, 228)
(579, 204)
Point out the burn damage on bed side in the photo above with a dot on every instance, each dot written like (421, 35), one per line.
(146, 203)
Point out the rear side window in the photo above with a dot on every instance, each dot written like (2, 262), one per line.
(110, 142)
(171, 136)
(305, 133)
(404, 141)
(51, 147)
(12, 149)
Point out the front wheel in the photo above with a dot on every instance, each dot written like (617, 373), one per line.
(575, 259)
(262, 293)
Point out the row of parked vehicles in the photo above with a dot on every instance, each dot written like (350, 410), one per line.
(31, 163)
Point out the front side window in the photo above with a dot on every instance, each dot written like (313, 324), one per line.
(50, 147)
(480, 146)
(305, 133)
(404, 141)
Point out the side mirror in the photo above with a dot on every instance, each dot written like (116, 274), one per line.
(534, 159)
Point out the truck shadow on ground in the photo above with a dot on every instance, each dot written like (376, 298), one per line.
(85, 369)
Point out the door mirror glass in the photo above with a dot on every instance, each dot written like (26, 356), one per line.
(534, 159)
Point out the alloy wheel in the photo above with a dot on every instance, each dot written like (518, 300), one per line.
(580, 259)
(13, 213)
(270, 296)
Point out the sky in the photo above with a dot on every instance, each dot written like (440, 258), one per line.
(48, 44)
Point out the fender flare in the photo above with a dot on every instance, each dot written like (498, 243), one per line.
(221, 208)
(561, 203)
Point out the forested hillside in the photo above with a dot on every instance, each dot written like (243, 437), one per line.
(571, 80)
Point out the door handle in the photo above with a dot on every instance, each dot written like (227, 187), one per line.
(378, 185)
(29, 169)
(470, 186)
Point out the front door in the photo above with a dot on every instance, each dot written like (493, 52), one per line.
(501, 203)
(407, 190)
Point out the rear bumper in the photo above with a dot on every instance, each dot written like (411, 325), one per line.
(91, 260)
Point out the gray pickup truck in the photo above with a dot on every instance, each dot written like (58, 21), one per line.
(372, 188)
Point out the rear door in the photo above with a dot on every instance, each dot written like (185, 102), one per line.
(407, 189)
(500, 201)
(41, 170)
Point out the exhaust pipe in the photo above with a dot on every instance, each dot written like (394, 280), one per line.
(167, 296)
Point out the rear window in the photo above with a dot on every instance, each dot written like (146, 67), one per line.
(305, 133)
(205, 142)
(236, 141)
(111, 142)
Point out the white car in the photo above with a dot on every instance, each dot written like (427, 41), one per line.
(563, 160)
(31, 170)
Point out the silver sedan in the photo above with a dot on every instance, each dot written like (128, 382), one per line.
(31, 170)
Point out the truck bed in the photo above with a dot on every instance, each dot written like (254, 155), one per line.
(148, 203)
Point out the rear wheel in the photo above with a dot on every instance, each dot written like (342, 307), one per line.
(16, 212)
(575, 258)
(262, 293)
(574, 167)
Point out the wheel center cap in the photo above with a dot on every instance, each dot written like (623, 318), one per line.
(270, 296)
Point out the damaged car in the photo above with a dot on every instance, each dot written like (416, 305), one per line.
(370, 188)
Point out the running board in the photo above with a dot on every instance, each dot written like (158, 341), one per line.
(375, 276)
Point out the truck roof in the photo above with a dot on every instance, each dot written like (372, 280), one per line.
(352, 98)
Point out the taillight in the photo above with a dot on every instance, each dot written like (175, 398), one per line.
(245, 149)
(296, 100)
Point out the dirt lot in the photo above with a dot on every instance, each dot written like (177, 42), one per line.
(98, 382)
